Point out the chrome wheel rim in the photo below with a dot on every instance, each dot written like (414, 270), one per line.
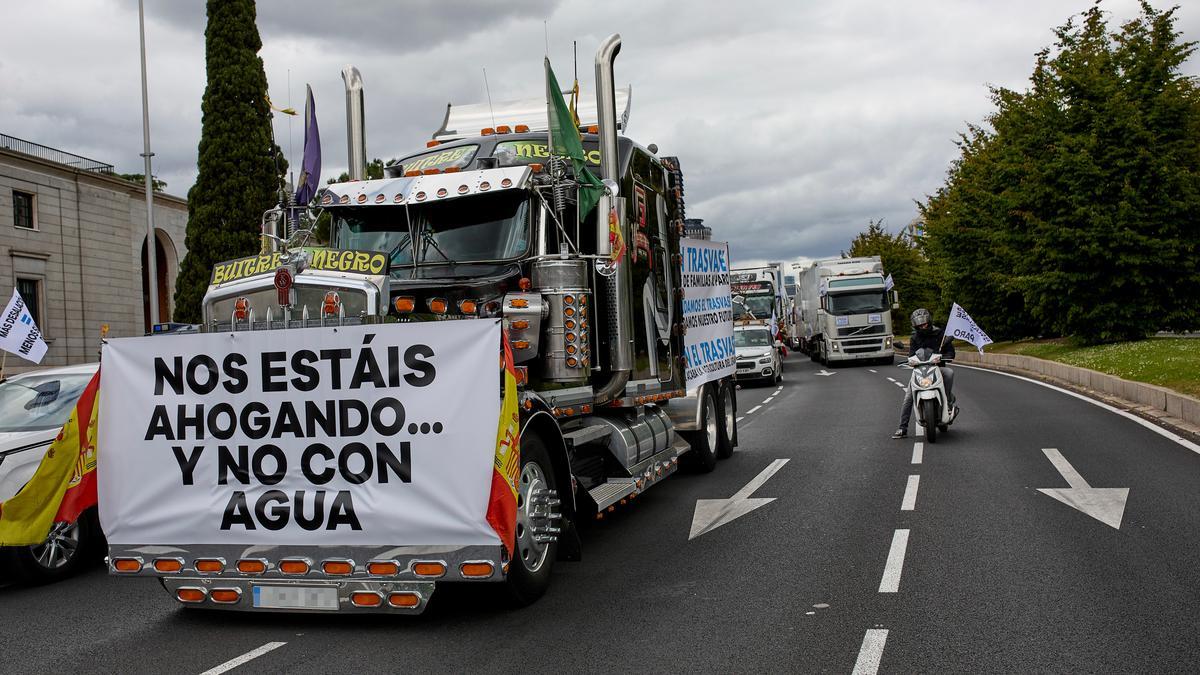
(532, 517)
(59, 548)
(710, 423)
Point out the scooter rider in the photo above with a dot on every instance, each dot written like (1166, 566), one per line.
(926, 336)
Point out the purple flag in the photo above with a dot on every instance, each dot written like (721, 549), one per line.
(310, 169)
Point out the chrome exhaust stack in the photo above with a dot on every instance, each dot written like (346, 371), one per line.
(620, 336)
(356, 132)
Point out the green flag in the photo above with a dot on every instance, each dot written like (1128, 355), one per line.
(565, 142)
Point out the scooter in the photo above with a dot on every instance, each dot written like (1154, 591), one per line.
(928, 388)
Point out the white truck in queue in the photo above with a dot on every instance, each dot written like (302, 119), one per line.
(845, 310)
(328, 439)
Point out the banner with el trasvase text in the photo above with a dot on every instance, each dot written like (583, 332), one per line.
(707, 311)
(355, 435)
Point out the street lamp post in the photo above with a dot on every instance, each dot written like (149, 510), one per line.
(151, 248)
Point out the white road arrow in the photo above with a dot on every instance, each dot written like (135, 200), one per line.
(825, 373)
(1106, 505)
(713, 513)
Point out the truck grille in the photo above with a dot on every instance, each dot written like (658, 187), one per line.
(861, 330)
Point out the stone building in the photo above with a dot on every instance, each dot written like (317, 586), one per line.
(695, 228)
(72, 242)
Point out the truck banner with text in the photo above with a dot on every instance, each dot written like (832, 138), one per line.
(355, 435)
(707, 311)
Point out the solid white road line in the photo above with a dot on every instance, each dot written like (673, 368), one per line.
(1165, 433)
(910, 494)
(871, 652)
(244, 658)
(751, 411)
(895, 563)
(918, 451)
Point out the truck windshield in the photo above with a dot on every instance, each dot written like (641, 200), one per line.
(758, 305)
(39, 402)
(752, 338)
(469, 229)
(857, 303)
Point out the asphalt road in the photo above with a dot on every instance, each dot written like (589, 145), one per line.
(967, 567)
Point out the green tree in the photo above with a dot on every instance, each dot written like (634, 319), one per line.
(140, 179)
(904, 261)
(1078, 209)
(239, 167)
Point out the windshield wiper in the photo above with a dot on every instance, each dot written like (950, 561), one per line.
(428, 240)
(396, 249)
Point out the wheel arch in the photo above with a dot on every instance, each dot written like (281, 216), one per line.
(544, 425)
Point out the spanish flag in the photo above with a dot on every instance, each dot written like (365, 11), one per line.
(64, 484)
(502, 506)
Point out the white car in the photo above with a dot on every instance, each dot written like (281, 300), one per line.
(758, 354)
(34, 406)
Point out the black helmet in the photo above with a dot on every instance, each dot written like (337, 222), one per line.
(920, 317)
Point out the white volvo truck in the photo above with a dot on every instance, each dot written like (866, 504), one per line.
(846, 311)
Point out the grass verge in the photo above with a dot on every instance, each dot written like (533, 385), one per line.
(1168, 362)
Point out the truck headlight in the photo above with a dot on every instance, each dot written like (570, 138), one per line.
(887, 342)
(833, 346)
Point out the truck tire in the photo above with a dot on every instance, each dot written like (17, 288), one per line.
(68, 549)
(728, 415)
(703, 456)
(929, 412)
(529, 573)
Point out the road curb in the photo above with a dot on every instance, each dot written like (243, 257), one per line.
(1162, 404)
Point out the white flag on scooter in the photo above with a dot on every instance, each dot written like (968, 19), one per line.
(18, 333)
(962, 327)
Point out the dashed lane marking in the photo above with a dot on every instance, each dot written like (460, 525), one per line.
(899, 384)
(244, 658)
(740, 418)
(871, 370)
(890, 583)
(891, 379)
(768, 400)
(910, 494)
(918, 451)
(751, 411)
(871, 652)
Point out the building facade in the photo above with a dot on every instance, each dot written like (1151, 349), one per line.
(73, 243)
(694, 228)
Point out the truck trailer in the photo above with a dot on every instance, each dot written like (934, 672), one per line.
(483, 225)
(845, 310)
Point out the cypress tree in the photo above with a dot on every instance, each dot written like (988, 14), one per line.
(239, 166)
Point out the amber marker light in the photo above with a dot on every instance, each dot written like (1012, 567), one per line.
(404, 600)
(476, 570)
(522, 128)
(127, 565)
(438, 305)
(384, 568)
(225, 596)
(250, 566)
(429, 569)
(520, 324)
(209, 565)
(536, 167)
(487, 131)
(366, 599)
(337, 568)
(467, 306)
(190, 595)
(295, 567)
(168, 565)
(432, 143)
(518, 303)
(405, 304)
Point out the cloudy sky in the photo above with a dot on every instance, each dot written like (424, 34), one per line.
(796, 121)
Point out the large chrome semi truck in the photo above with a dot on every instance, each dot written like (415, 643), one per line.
(483, 223)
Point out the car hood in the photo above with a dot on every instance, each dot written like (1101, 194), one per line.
(753, 352)
(11, 440)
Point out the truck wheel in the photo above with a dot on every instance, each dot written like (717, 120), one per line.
(929, 413)
(68, 549)
(728, 422)
(536, 548)
(703, 457)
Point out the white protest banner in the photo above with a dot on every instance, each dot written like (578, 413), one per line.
(356, 435)
(18, 333)
(962, 327)
(707, 311)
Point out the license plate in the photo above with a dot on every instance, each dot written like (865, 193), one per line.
(296, 597)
